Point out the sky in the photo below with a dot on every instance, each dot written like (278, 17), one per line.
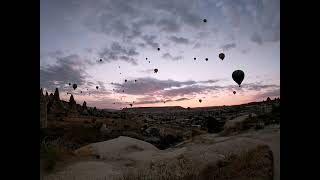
(76, 34)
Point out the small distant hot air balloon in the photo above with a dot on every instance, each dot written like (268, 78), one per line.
(135, 80)
(80, 91)
(234, 92)
(238, 76)
(149, 61)
(158, 49)
(130, 105)
(200, 100)
(221, 56)
(100, 60)
(205, 20)
(69, 84)
(97, 87)
(146, 58)
(207, 59)
(125, 80)
(155, 70)
(194, 58)
(74, 86)
(119, 66)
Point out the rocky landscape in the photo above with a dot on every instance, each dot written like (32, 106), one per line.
(226, 142)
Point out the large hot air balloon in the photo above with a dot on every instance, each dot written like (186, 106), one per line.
(238, 76)
(200, 100)
(74, 86)
(155, 70)
(221, 56)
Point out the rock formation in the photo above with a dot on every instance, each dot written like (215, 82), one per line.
(43, 110)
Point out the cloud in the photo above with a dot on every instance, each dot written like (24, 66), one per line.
(148, 86)
(270, 93)
(116, 52)
(182, 99)
(256, 38)
(149, 40)
(68, 69)
(169, 25)
(170, 57)
(179, 40)
(227, 47)
(148, 71)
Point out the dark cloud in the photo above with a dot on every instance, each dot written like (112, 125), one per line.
(182, 99)
(211, 81)
(170, 57)
(116, 52)
(68, 69)
(148, 86)
(169, 25)
(150, 40)
(256, 38)
(179, 40)
(227, 47)
(189, 90)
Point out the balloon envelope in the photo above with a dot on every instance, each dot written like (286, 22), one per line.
(238, 76)
(74, 86)
(221, 56)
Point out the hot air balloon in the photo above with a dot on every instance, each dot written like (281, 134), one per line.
(80, 91)
(146, 58)
(149, 61)
(69, 84)
(100, 60)
(135, 80)
(207, 59)
(194, 58)
(97, 87)
(238, 76)
(130, 105)
(234, 92)
(155, 70)
(221, 56)
(205, 20)
(158, 49)
(200, 100)
(74, 86)
(125, 80)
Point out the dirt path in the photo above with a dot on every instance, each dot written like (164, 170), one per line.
(271, 136)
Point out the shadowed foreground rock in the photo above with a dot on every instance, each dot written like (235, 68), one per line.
(207, 157)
